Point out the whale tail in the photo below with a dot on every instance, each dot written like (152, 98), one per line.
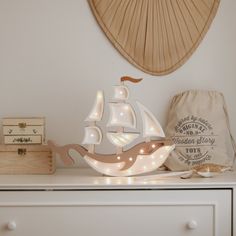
(62, 152)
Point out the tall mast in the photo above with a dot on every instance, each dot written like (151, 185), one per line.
(122, 115)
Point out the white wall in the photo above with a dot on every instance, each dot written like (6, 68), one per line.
(53, 58)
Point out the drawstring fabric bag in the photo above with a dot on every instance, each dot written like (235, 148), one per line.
(198, 123)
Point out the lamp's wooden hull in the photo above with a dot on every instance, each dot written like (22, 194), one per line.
(142, 158)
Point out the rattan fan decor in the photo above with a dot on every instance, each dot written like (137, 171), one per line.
(157, 36)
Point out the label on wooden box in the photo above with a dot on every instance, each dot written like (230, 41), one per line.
(26, 159)
(26, 139)
(24, 121)
(21, 130)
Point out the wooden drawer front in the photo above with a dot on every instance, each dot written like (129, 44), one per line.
(139, 213)
(28, 130)
(27, 121)
(23, 139)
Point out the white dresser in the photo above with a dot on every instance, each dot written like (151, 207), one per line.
(81, 202)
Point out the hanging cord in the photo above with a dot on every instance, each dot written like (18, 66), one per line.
(228, 125)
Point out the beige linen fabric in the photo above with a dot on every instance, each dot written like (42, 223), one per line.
(198, 124)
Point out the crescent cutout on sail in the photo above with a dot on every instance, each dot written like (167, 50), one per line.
(141, 158)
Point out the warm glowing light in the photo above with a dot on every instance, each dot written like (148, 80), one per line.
(93, 135)
(121, 92)
(108, 181)
(96, 181)
(153, 145)
(151, 126)
(121, 114)
(141, 151)
(167, 148)
(126, 107)
(141, 163)
(121, 139)
(129, 180)
(100, 95)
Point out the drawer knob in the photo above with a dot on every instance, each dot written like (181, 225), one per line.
(192, 224)
(11, 225)
(22, 125)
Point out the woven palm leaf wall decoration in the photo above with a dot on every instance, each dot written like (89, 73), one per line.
(157, 36)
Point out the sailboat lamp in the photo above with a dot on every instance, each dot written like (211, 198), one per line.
(141, 158)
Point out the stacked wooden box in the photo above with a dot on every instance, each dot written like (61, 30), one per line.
(24, 130)
(23, 151)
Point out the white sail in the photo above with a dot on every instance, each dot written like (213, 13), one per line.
(98, 107)
(121, 92)
(93, 135)
(121, 139)
(122, 115)
(151, 127)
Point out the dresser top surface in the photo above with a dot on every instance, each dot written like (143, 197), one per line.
(88, 179)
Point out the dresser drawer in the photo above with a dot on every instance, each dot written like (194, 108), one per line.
(106, 213)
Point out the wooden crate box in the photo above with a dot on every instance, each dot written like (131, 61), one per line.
(26, 159)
